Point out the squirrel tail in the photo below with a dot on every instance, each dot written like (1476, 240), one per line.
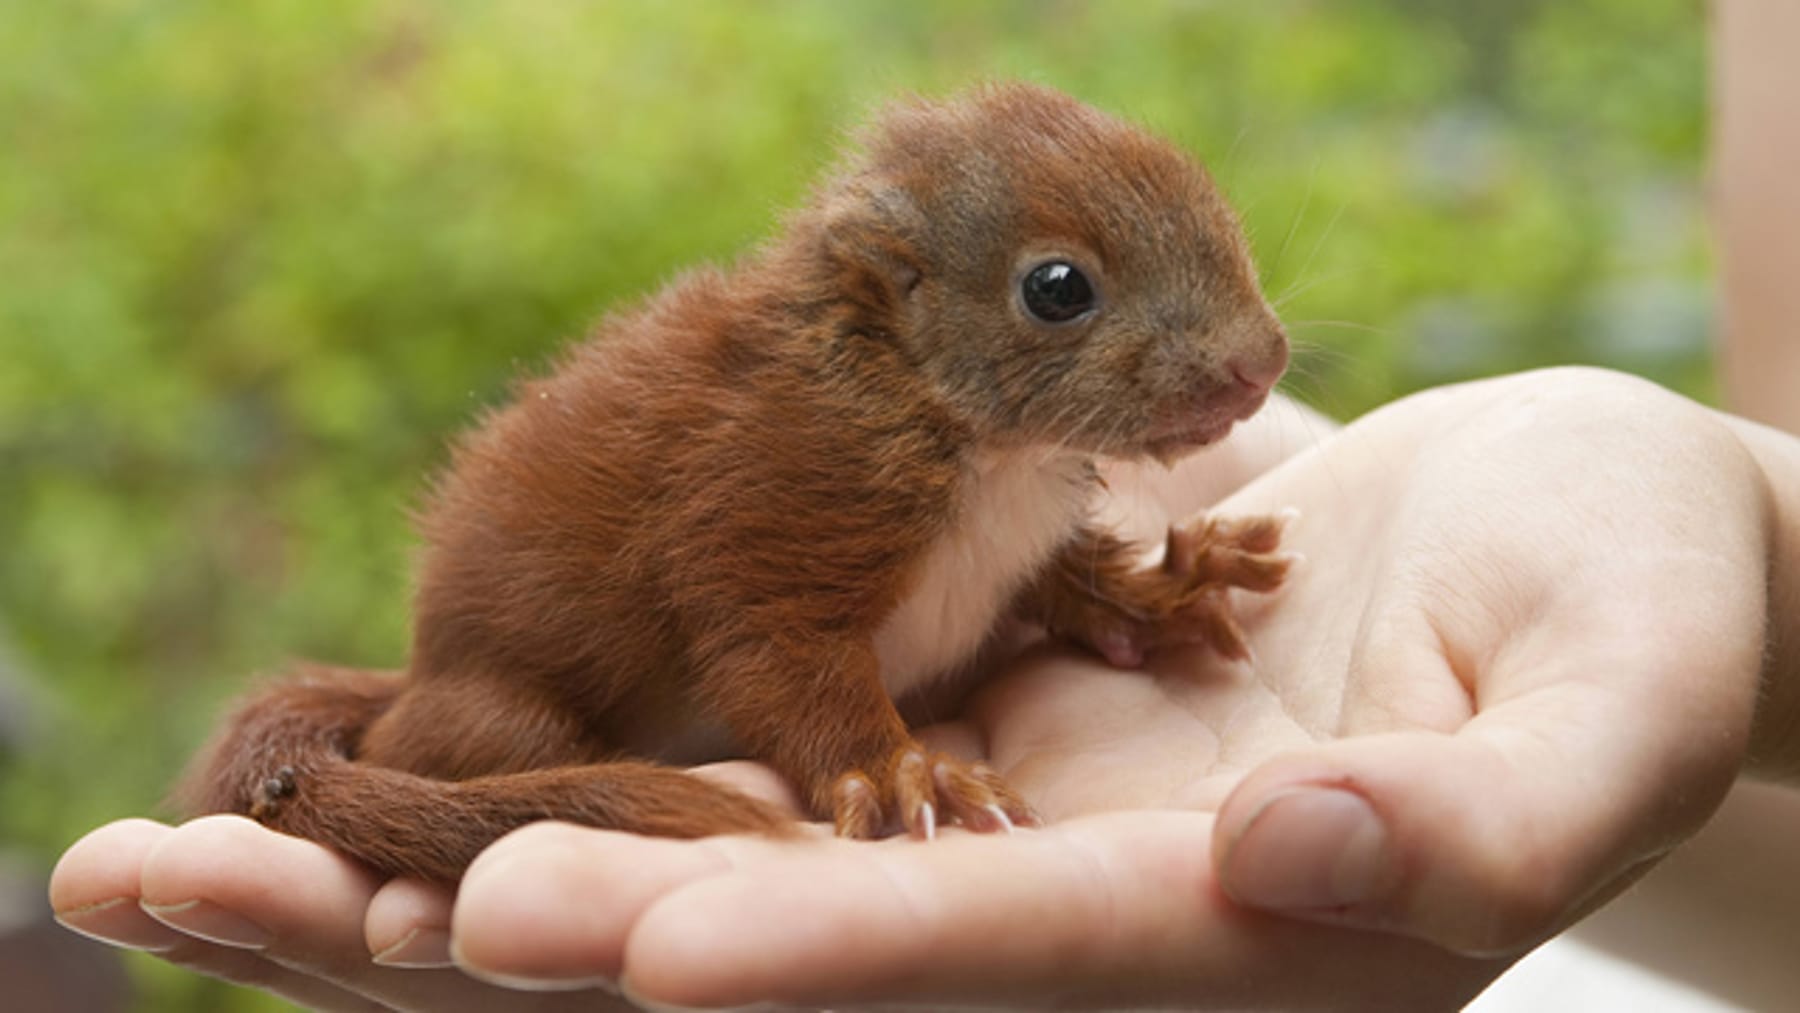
(285, 758)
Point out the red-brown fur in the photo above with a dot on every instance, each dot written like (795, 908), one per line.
(704, 514)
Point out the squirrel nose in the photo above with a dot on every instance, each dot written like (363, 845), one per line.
(1260, 369)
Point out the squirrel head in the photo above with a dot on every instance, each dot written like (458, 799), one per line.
(1059, 276)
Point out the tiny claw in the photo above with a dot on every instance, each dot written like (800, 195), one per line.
(1261, 533)
(977, 798)
(1227, 637)
(1262, 573)
(1175, 554)
(856, 813)
(927, 826)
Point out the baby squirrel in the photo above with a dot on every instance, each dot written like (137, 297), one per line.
(746, 515)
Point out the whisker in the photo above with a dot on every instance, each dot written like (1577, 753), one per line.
(1231, 153)
(1318, 245)
(1300, 288)
(1349, 325)
(1299, 216)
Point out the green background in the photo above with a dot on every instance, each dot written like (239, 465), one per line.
(258, 260)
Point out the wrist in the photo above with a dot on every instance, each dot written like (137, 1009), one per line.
(1775, 735)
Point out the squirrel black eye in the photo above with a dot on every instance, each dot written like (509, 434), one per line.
(1056, 291)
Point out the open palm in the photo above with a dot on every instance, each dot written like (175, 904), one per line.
(1519, 663)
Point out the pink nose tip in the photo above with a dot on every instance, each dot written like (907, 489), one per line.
(1259, 371)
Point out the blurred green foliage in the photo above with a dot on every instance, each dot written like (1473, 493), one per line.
(259, 259)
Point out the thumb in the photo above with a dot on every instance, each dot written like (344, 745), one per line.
(1486, 840)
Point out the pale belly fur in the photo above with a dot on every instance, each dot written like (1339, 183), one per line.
(1016, 509)
(1014, 512)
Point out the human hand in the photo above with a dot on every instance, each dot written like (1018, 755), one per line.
(1522, 662)
(1527, 643)
(231, 899)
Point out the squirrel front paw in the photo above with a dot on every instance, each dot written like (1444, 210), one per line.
(916, 790)
(1185, 600)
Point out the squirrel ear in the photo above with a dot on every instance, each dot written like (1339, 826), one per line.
(872, 235)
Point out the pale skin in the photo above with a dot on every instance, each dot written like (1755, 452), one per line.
(1544, 622)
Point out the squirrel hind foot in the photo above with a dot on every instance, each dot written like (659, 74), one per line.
(267, 797)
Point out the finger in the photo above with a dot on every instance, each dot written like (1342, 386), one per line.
(550, 905)
(300, 907)
(95, 890)
(1115, 909)
(407, 924)
(1485, 841)
(236, 883)
(1557, 746)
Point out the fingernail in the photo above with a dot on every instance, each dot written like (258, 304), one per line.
(121, 922)
(1308, 848)
(421, 947)
(547, 982)
(211, 922)
(655, 1006)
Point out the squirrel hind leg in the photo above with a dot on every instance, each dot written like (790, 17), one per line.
(417, 777)
(404, 824)
(457, 728)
